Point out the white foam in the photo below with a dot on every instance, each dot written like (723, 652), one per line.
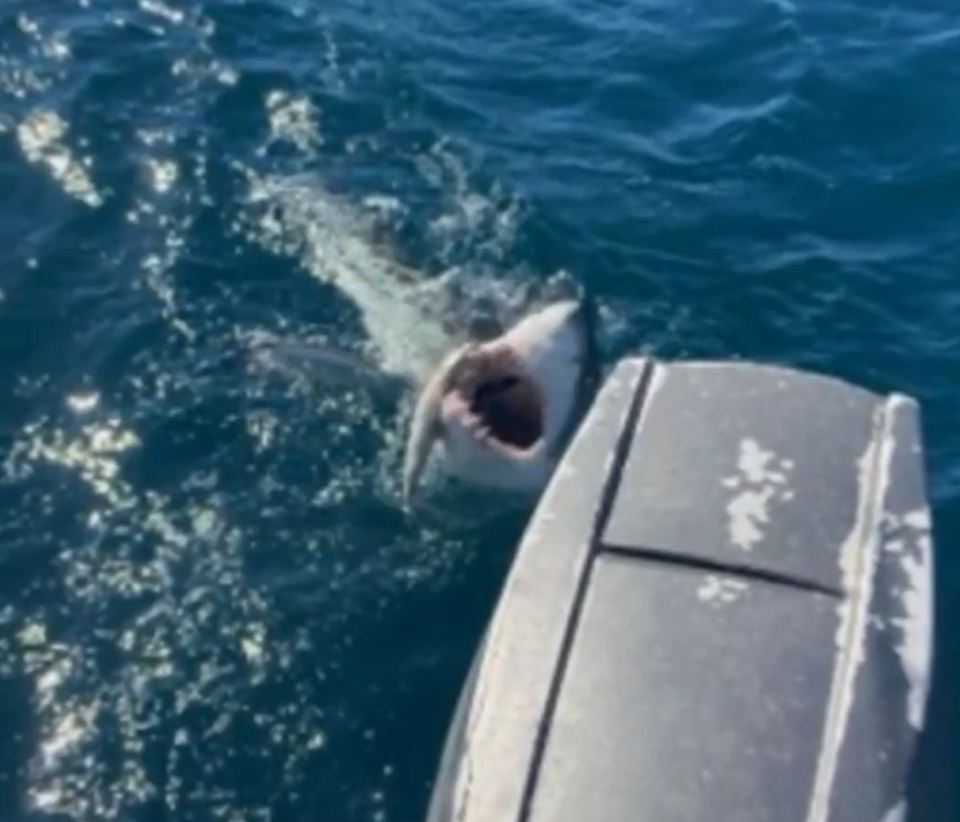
(163, 174)
(41, 139)
(162, 10)
(156, 267)
(252, 644)
(383, 204)
(70, 727)
(83, 402)
(53, 46)
(94, 454)
(468, 215)
(293, 118)
(32, 634)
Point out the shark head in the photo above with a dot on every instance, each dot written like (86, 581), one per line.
(504, 409)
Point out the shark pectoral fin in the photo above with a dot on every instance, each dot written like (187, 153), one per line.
(424, 430)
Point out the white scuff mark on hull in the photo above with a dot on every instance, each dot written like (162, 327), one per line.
(761, 479)
(915, 649)
(918, 519)
(718, 590)
(857, 560)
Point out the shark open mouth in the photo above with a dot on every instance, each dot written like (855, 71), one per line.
(500, 403)
(503, 408)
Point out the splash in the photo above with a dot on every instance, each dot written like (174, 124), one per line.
(300, 218)
(293, 119)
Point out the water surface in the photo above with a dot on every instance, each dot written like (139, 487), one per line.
(211, 604)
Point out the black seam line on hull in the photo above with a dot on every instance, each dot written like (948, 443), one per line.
(610, 486)
(732, 568)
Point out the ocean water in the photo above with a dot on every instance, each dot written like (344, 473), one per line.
(231, 229)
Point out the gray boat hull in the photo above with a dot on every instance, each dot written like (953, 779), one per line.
(721, 610)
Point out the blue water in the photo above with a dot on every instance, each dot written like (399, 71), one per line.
(229, 229)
